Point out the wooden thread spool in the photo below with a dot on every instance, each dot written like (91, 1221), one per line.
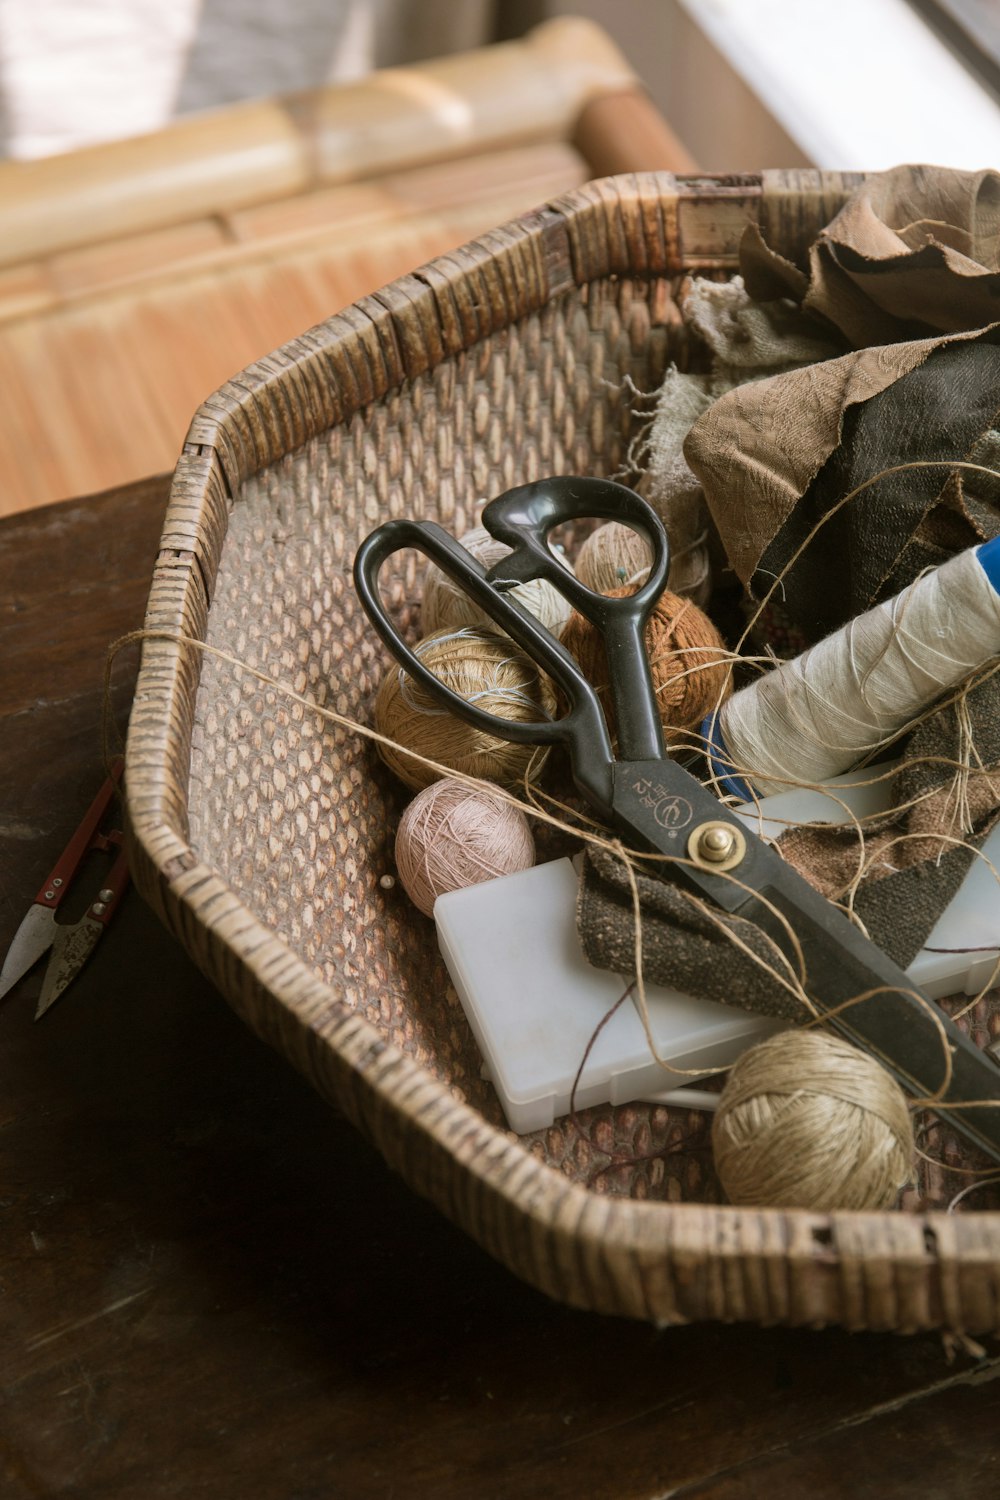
(688, 660)
(452, 836)
(485, 668)
(808, 1121)
(821, 712)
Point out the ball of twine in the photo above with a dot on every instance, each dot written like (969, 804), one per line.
(613, 557)
(687, 657)
(485, 668)
(452, 836)
(808, 1121)
(445, 606)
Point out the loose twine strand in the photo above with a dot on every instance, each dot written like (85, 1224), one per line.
(790, 975)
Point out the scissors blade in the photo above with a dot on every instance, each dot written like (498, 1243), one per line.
(74, 944)
(32, 938)
(72, 947)
(38, 926)
(913, 1039)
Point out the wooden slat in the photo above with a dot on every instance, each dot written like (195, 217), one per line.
(625, 132)
(254, 153)
(25, 290)
(132, 258)
(203, 165)
(530, 170)
(505, 95)
(319, 211)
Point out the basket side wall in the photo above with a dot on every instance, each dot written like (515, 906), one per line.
(659, 1262)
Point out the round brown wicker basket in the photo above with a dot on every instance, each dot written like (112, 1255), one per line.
(260, 832)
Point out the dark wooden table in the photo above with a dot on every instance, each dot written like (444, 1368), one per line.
(210, 1286)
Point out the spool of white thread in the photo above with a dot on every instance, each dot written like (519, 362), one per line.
(445, 606)
(818, 714)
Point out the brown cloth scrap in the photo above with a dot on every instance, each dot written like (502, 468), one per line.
(775, 456)
(946, 407)
(747, 341)
(914, 251)
(906, 268)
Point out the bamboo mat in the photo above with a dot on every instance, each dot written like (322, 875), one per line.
(102, 378)
(138, 277)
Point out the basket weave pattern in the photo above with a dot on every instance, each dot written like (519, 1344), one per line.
(299, 815)
(260, 832)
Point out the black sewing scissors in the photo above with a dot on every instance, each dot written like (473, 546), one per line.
(655, 804)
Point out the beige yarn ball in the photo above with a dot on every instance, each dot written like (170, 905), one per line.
(807, 1120)
(446, 607)
(452, 836)
(613, 557)
(480, 666)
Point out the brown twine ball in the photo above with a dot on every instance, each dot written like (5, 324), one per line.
(807, 1120)
(480, 666)
(452, 836)
(613, 557)
(687, 657)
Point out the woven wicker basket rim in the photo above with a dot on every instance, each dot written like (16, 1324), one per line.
(668, 1263)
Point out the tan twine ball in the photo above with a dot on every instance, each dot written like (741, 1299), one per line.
(613, 557)
(687, 657)
(445, 606)
(484, 668)
(452, 836)
(806, 1120)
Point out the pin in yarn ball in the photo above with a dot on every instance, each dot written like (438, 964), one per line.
(482, 667)
(806, 1120)
(445, 606)
(688, 661)
(613, 557)
(453, 835)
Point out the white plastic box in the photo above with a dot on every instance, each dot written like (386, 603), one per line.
(534, 1002)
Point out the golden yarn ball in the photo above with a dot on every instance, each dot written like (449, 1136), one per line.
(480, 666)
(452, 836)
(614, 557)
(806, 1120)
(445, 606)
(688, 661)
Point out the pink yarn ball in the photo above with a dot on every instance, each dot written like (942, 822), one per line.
(452, 836)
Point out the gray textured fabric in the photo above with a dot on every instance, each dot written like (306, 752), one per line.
(680, 946)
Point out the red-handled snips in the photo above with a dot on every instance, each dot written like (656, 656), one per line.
(71, 942)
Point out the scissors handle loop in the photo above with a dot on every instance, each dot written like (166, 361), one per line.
(582, 724)
(524, 518)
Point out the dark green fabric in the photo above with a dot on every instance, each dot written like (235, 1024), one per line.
(941, 410)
